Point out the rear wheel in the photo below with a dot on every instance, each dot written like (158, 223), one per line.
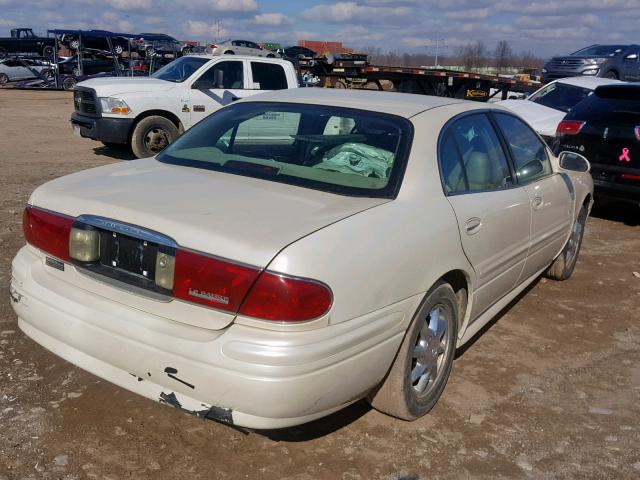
(423, 363)
(3, 78)
(562, 267)
(69, 83)
(118, 49)
(151, 135)
(613, 75)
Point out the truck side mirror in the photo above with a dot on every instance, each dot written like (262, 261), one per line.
(218, 79)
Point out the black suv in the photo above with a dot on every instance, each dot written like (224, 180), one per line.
(607, 61)
(605, 128)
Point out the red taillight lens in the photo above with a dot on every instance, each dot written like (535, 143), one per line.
(47, 231)
(285, 299)
(630, 176)
(569, 127)
(210, 281)
(637, 132)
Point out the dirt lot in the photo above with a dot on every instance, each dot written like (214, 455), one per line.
(550, 390)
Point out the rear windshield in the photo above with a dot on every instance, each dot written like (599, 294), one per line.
(600, 51)
(340, 150)
(180, 69)
(604, 110)
(560, 96)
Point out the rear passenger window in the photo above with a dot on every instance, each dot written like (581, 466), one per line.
(268, 76)
(528, 151)
(451, 168)
(484, 164)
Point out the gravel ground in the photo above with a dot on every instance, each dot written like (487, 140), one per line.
(551, 389)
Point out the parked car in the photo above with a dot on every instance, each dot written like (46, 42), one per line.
(606, 61)
(23, 40)
(152, 44)
(12, 69)
(241, 47)
(147, 115)
(294, 52)
(96, 40)
(299, 250)
(605, 128)
(91, 64)
(545, 108)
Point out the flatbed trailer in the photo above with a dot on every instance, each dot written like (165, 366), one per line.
(354, 71)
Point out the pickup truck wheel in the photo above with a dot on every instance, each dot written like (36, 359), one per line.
(69, 83)
(151, 135)
(423, 363)
(48, 51)
(3, 78)
(3, 52)
(562, 267)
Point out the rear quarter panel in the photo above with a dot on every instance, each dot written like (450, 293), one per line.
(391, 252)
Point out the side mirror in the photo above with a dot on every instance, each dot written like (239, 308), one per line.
(219, 79)
(530, 170)
(574, 162)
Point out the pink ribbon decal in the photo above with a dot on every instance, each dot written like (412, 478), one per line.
(625, 155)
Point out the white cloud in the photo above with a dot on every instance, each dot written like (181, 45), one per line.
(203, 30)
(271, 19)
(352, 11)
(127, 5)
(469, 14)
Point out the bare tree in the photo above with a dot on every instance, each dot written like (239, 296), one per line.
(503, 55)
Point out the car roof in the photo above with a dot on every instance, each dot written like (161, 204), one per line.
(587, 82)
(402, 104)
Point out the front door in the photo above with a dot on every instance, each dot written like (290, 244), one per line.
(550, 193)
(493, 212)
(209, 96)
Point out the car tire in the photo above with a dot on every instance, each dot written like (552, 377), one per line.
(423, 363)
(150, 52)
(4, 79)
(562, 267)
(48, 73)
(271, 55)
(48, 51)
(69, 83)
(118, 49)
(229, 52)
(611, 74)
(76, 71)
(151, 135)
(74, 44)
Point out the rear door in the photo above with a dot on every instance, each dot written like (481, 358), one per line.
(550, 193)
(493, 212)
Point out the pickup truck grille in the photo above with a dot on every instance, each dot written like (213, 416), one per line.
(566, 63)
(85, 102)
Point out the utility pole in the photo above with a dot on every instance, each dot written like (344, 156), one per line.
(217, 23)
(438, 42)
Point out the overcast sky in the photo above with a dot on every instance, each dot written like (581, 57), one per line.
(543, 27)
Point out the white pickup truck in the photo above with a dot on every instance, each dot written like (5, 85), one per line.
(148, 113)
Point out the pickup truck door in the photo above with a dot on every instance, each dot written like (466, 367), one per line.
(205, 96)
(551, 194)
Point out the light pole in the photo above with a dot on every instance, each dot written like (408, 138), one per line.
(438, 42)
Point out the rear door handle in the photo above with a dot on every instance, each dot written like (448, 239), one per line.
(473, 226)
(537, 202)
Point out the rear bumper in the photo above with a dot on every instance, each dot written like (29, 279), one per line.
(111, 130)
(242, 375)
(607, 183)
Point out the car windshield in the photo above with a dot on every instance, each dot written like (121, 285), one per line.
(180, 69)
(340, 150)
(600, 51)
(560, 96)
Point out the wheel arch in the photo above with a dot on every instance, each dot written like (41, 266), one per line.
(460, 282)
(158, 113)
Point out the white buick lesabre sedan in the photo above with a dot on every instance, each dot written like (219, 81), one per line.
(298, 251)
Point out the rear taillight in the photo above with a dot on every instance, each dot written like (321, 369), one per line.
(281, 298)
(210, 281)
(47, 231)
(569, 127)
(630, 176)
(637, 132)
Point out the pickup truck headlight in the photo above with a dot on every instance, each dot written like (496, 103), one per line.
(114, 105)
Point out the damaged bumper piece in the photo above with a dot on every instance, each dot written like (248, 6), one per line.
(239, 375)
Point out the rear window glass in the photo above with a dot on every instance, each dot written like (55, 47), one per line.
(268, 76)
(341, 150)
(560, 96)
(599, 109)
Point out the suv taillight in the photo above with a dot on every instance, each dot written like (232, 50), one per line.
(569, 127)
(637, 132)
(47, 231)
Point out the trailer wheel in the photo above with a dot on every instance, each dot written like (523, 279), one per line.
(340, 84)
(371, 86)
(151, 135)
(3, 78)
(69, 83)
(3, 52)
